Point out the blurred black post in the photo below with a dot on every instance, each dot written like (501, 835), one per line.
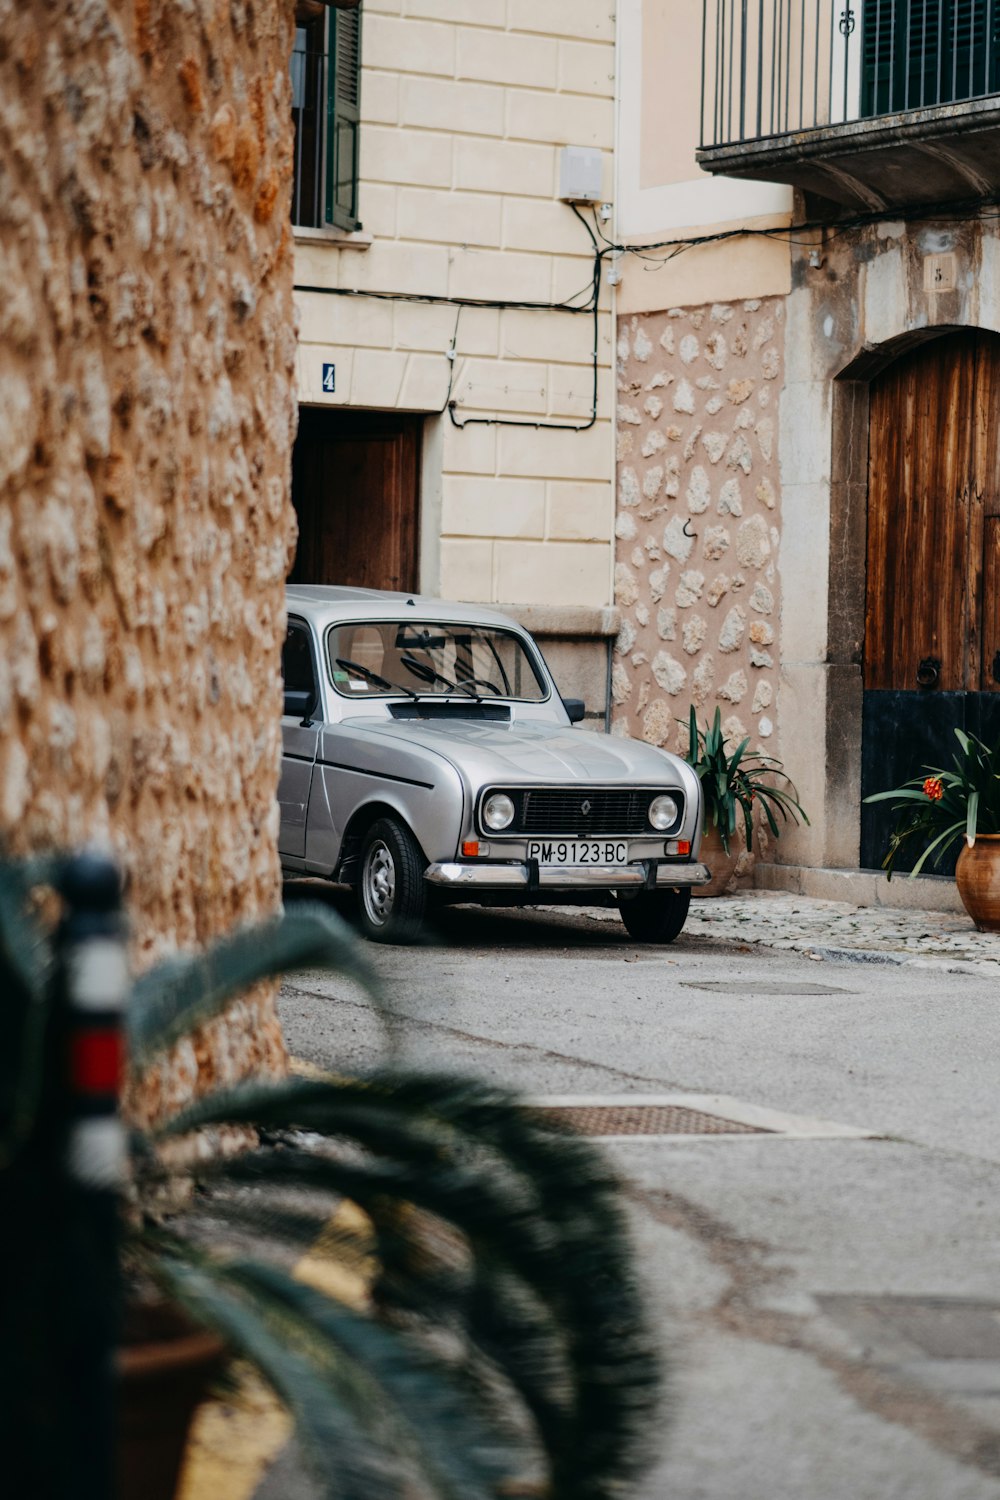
(91, 988)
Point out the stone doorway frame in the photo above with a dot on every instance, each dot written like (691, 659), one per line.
(847, 584)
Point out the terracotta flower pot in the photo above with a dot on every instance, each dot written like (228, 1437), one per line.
(721, 864)
(165, 1367)
(977, 876)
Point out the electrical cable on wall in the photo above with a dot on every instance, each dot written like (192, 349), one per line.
(643, 252)
(593, 308)
(589, 307)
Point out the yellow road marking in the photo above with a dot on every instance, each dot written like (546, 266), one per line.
(232, 1443)
(300, 1068)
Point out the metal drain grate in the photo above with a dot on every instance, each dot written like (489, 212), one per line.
(644, 1119)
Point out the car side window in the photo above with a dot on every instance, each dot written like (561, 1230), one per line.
(297, 667)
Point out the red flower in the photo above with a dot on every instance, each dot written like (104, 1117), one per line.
(934, 788)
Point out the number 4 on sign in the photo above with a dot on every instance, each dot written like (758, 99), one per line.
(329, 378)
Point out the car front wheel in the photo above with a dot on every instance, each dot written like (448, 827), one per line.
(391, 894)
(655, 916)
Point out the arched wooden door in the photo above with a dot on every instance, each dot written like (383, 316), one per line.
(932, 617)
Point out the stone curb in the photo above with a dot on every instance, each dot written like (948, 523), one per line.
(890, 936)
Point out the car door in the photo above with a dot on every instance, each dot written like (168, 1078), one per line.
(300, 731)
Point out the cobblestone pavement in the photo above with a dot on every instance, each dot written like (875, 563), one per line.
(837, 931)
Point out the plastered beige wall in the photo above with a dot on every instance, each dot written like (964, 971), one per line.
(729, 270)
(464, 110)
(664, 200)
(146, 389)
(670, 117)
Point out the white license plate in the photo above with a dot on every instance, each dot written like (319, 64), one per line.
(579, 852)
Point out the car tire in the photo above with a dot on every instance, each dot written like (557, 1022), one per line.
(391, 895)
(655, 916)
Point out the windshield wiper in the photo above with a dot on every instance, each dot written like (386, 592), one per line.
(373, 677)
(428, 674)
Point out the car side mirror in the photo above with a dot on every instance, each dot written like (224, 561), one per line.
(298, 703)
(576, 708)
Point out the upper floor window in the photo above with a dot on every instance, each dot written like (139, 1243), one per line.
(918, 53)
(326, 95)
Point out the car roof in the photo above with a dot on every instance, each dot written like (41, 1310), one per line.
(325, 602)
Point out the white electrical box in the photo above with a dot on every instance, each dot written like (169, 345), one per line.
(580, 174)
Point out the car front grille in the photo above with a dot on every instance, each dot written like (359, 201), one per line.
(559, 812)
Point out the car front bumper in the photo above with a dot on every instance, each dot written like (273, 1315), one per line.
(505, 877)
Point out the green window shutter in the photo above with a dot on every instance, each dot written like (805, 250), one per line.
(921, 53)
(343, 115)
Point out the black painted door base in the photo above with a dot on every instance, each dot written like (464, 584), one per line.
(903, 732)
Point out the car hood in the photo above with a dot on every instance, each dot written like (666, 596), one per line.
(527, 751)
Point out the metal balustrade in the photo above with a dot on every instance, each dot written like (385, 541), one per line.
(777, 67)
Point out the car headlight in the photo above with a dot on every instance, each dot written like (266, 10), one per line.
(498, 812)
(663, 812)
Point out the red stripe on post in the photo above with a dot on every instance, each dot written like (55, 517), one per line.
(96, 1062)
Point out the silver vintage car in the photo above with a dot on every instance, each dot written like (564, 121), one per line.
(428, 757)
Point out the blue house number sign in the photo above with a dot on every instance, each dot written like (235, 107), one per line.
(329, 378)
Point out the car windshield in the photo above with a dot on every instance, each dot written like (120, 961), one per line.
(379, 658)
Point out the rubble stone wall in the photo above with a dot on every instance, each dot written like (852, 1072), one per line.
(146, 417)
(697, 522)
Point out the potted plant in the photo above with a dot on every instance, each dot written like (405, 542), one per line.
(734, 783)
(943, 806)
(501, 1338)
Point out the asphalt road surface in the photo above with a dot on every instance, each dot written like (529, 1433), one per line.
(827, 1282)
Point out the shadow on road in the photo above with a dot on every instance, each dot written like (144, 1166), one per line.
(487, 927)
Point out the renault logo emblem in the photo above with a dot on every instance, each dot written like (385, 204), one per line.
(585, 808)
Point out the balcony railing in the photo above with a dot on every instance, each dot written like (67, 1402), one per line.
(777, 67)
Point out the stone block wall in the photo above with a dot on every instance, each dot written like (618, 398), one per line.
(146, 418)
(697, 522)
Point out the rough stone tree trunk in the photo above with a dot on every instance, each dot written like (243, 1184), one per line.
(146, 420)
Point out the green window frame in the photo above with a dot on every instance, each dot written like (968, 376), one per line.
(343, 116)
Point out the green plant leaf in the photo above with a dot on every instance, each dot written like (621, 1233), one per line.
(26, 972)
(605, 1417)
(539, 1206)
(901, 793)
(970, 802)
(345, 1465)
(970, 819)
(185, 992)
(459, 1458)
(787, 805)
(748, 820)
(601, 1308)
(940, 844)
(727, 779)
(25, 950)
(737, 755)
